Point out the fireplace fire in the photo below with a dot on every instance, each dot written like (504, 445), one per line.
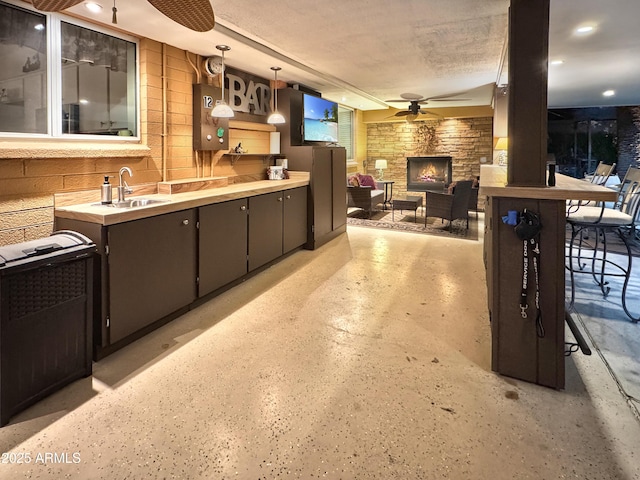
(428, 173)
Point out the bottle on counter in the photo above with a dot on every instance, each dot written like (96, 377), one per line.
(105, 192)
(551, 180)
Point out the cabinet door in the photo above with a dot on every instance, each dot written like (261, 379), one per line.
(152, 270)
(339, 186)
(222, 244)
(321, 192)
(265, 228)
(295, 218)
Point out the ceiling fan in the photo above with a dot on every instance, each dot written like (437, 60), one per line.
(196, 14)
(416, 100)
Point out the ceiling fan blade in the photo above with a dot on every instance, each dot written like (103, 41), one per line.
(402, 114)
(446, 97)
(412, 97)
(195, 15)
(428, 112)
(54, 5)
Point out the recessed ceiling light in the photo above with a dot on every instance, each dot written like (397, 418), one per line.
(585, 29)
(557, 62)
(93, 7)
(609, 93)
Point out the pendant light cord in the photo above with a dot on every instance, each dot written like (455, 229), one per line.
(275, 92)
(222, 75)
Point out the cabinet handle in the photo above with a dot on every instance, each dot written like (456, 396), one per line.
(279, 199)
(243, 208)
(288, 197)
(185, 222)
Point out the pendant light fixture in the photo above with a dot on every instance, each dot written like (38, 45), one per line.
(114, 18)
(221, 109)
(275, 117)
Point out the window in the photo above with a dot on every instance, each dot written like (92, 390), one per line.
(86, 87)
(23, 80)
(580, 138)
(345, 130)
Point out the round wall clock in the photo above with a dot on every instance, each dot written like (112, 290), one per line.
(213, 65)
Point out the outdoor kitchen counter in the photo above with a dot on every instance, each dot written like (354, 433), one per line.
(105, 215)
(493, 183)
(519, 348)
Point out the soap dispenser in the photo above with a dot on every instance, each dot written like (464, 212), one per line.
(105, 193)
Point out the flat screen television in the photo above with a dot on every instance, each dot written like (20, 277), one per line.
(320, 120)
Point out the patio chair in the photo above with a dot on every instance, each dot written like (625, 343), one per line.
(365, 198)
(601, 174)
(620, 220)
(597, 177)
(450, 206)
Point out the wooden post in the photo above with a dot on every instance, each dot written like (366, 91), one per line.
(528, 59)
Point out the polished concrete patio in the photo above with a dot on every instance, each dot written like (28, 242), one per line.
(367, 358)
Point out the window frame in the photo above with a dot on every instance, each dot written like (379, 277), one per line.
(54, 81)
(351, 148)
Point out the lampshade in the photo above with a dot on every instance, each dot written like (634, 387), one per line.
(381, 164)
(221, 108)
(503, 144)
(275, 117)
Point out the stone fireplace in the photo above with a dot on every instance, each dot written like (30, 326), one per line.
(467, 141)
(429, 173)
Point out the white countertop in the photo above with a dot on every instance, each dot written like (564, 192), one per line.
(106, 215)
(493, 183)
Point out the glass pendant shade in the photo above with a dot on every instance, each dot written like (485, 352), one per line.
(221, 109)
(276, 117)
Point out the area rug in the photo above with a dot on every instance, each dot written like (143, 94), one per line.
(404, 221)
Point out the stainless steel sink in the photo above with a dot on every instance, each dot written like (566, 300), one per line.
(132, 203)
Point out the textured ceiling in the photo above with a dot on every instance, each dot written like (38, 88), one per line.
(363, 52)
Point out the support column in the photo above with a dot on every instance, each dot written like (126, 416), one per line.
(528, 61)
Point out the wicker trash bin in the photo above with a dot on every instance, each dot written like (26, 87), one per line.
(46, 313)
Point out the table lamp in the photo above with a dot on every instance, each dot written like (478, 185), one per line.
(381, 166)
(502, 145)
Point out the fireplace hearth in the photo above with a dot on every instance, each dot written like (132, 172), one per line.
(428, 173)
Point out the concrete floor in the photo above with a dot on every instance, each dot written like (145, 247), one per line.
(366, 359)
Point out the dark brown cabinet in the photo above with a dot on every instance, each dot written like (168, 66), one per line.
(265, 228)
(327, 207)
(294, 218)
(327, 203)
(222, 247)
(147, 270)
(152, 270)
(339, 187)
(239, 236)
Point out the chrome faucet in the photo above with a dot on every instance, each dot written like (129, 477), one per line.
(123, 188)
